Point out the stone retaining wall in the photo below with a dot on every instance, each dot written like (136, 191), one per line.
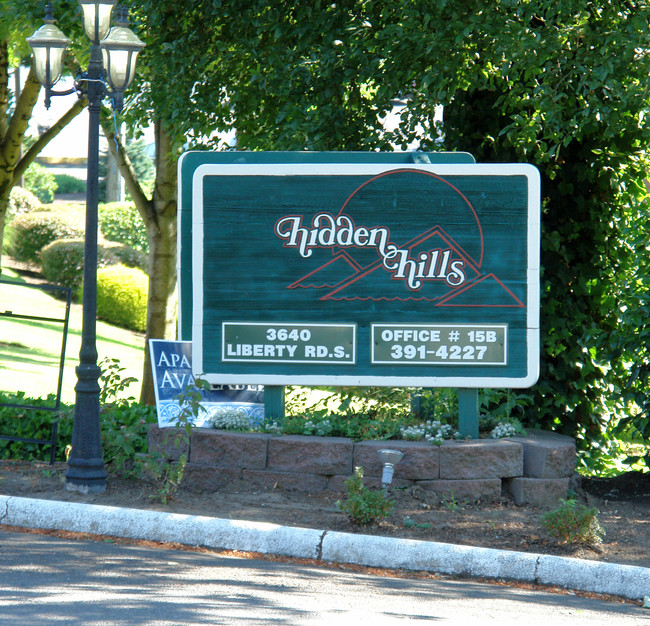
(535, 469)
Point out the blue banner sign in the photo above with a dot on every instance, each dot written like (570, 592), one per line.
(171, 363)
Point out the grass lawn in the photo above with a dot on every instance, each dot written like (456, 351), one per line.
(30, 350)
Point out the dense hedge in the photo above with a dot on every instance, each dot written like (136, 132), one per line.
(29, 233)
(122, 296)
(121, 222)
(41, 182)
(63, 260)
(65, 183)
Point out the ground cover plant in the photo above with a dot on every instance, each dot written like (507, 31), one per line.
(370, 414)
(364, 506)
(572, 522)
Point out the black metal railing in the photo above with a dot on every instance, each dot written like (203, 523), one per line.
(66, 294)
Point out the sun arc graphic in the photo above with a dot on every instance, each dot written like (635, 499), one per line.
(355, 259)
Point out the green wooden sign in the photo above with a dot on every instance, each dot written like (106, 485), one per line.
(190, 161)
(364, 273)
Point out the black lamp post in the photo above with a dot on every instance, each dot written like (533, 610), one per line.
(112, 60)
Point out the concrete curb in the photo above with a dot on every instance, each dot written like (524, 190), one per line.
(592, 576)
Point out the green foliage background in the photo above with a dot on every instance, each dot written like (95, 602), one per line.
(562, 84)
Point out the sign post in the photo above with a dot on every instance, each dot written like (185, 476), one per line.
(366, 273)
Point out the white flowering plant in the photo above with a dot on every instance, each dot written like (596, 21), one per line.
(500, 426)
(503, 429)
(230, 419)
(433, 431)
(320, 428)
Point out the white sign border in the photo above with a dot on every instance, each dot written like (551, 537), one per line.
(372, 169)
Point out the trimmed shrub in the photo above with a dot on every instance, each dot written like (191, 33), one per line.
(126, 255)
(28, 234)
(69, 184)
(122, 296)
(121, 222)
(21, 201)
(63, 260)
(40, 181)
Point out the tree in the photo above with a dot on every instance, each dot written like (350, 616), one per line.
(16, 110)
(195, 70)
(159, 215)
(161, 96)
(200, 63)
(562, 85)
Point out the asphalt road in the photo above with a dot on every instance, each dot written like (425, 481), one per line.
(46, 580)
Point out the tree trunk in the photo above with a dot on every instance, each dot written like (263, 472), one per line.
(12, 164)
(159, 216)
(162, 305)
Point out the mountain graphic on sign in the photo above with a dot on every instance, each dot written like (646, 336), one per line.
(329, 274)
(376, 282)
(346, 280)
(485, 289)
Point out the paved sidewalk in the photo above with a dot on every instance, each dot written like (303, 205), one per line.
(593, 576)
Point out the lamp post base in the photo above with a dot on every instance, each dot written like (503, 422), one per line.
(85, 476)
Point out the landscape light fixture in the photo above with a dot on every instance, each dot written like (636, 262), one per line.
(97, 18)
(48, 44)
(119, 52)
(112, 60)
(389, 459)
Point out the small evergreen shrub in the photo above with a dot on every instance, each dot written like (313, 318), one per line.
(40, 181)
(63, 260)
(364, 506)
(122, 296)
(28, 234)
(21, 201)
(121, 222)
(573, 523)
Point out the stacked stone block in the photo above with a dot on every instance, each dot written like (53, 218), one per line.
(535, 469)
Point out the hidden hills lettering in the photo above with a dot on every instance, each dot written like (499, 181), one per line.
(340, 232)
